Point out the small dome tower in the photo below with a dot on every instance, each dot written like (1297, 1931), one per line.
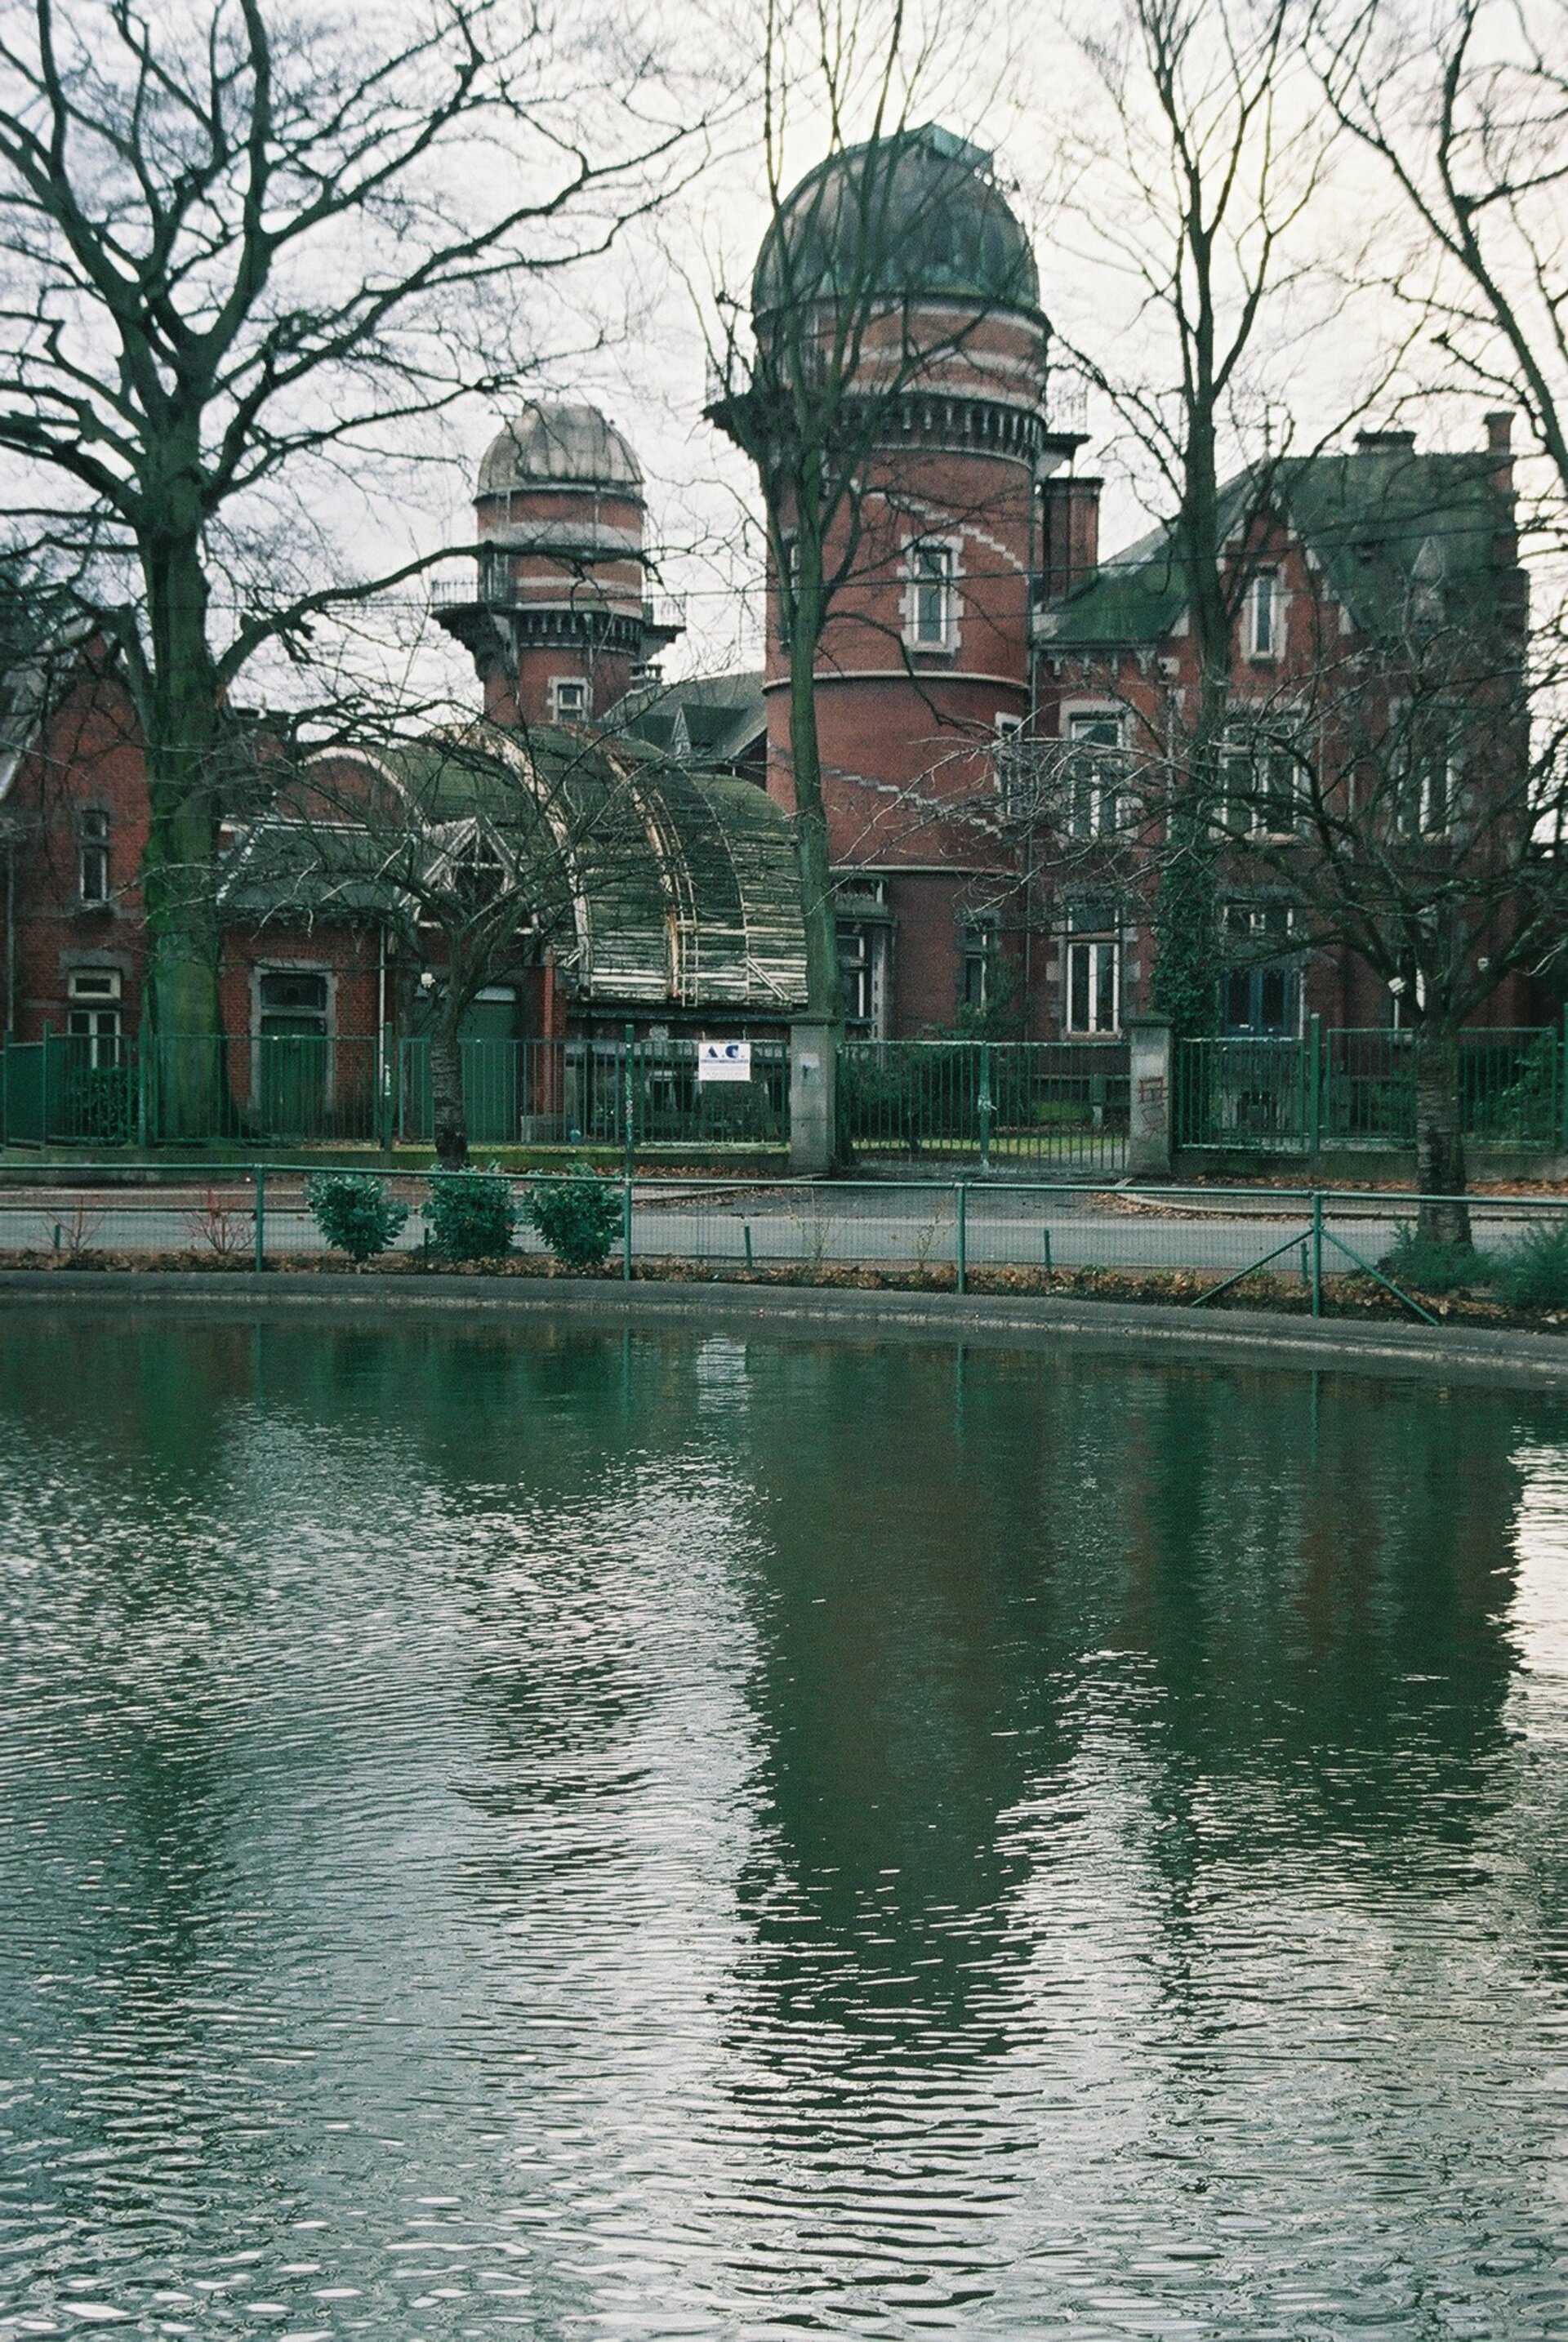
(561, 623)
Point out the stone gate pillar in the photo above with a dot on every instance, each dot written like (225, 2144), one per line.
(813, 1097)
(1152, 1103)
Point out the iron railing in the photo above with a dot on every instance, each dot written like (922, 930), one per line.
(276, 1089)
(998, 1104)
(1344, 1087)
(1302, 1248)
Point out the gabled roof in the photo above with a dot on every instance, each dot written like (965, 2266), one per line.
(1383, 521)
(707, 720)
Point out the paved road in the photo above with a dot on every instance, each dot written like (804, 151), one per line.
(829, 1224)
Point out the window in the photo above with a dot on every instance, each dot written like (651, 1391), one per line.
(930, 604)
(979, 943)
(1262, 621)
(568, 699)
(292, 1000)
(1093, 968)
(1093, 792)
(92, 1018)
(1267, 785)
(1425, 776)
(1010, 766)
(93, 873)
(1260, 994)
(861, 974)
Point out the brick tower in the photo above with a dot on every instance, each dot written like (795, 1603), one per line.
(925, 665)
(561, 622)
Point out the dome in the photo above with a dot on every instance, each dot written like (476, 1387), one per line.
(911, 217)
(562, 446)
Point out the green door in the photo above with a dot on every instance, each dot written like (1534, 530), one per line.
(292, 1077)
(490, 1054)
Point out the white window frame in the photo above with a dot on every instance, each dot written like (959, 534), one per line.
(1097, 949)
(560, 684)
(979, 945)
(1264, 614)
(93, 997)
(1100, 798)
(865, 960)
(92, 847)
(1245, 740)
(1453, 780)
(918, 585)
(1007, 734)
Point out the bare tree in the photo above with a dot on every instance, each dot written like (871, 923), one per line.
(1398, 794)
(1193, 197)
(1465, 104)
(250, 244)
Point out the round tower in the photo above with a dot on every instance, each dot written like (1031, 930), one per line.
(561, 623)
(907, 255)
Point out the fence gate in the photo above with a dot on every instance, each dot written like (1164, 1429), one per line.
(1057, 1109)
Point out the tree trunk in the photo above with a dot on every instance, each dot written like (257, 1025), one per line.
(813, 864)
(1185, 985)
(178, 704)
(446, 1095)
(813, 860)
(1444, 1216)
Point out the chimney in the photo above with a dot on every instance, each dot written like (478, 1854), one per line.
(1071, 551)
(1500, 478)
(1385, 443)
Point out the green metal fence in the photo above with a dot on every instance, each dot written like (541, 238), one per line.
(1345, 1087)
(635, 1094)
(1206, 1247)
(1000, 1105)
(292, 1089)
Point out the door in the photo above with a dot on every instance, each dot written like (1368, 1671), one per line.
(490, 1054)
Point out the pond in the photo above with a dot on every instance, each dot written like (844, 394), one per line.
(618, 1836)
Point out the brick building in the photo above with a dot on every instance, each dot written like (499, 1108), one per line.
(983, 679)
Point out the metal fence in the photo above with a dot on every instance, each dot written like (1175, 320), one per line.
(1343, 1087)
(1307, 1249)
(367, 1090)
(1054, 1105)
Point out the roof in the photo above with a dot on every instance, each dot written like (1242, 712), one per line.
(657, 886)
(560, 445)
(1384, 521)
(707, 720)
(914, 214)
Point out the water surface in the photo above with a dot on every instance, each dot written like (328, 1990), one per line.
(598, 1836)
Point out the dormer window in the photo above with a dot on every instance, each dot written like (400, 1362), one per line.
(93, 864)
(1262, 614)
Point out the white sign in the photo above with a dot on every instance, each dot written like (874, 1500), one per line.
(724, 1061)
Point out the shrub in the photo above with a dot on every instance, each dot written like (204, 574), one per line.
(1533, 1272)
(354, 1212)
(1420, 1265)
(471, 1215)
(579, 1215)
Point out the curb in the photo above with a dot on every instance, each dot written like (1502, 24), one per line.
(1033, 1321)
